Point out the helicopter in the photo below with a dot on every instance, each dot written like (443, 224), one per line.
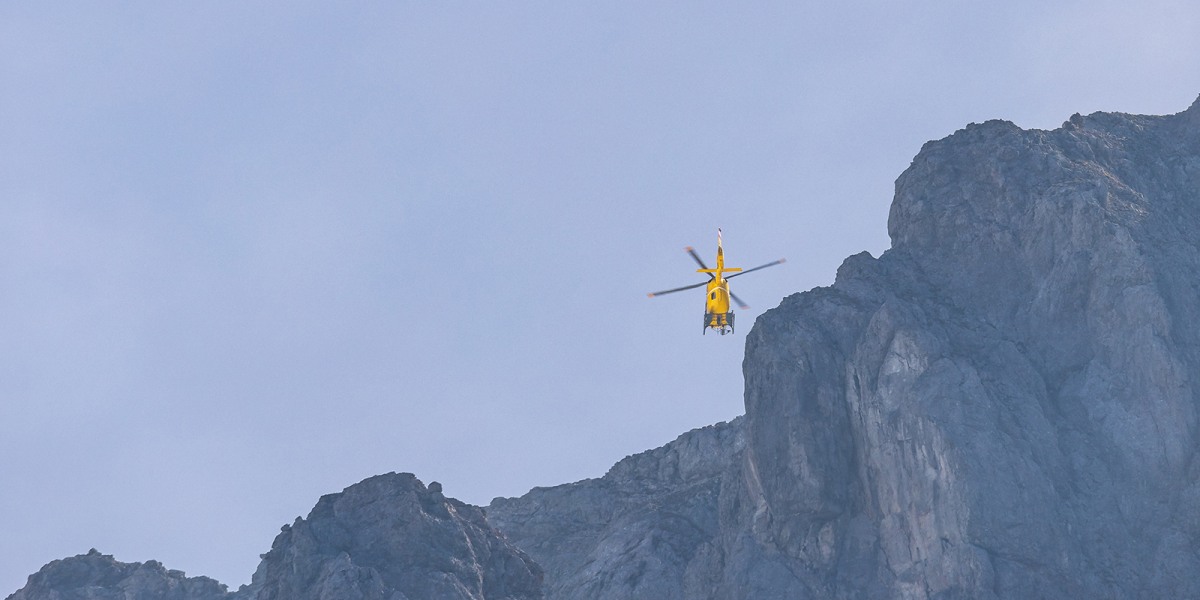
(717, 314)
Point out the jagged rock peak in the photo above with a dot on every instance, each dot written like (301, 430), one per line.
(1003, 405)
(391, 537)
(995, 194)
(96, 576)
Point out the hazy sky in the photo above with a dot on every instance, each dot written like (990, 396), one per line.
(254, 252)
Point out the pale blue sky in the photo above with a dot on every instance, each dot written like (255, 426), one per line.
(251, 253)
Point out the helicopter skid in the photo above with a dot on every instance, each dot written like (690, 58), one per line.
(722, 322)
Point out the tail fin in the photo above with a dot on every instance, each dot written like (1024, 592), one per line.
(720, 251)
(720, 260)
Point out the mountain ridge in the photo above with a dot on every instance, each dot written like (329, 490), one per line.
(999, 406)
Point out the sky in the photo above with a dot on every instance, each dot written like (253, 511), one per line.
(254, 252)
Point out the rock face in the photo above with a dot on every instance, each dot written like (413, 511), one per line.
(1002, 406)
(647, 529)
(391, 538)
(386, 538)
(95, 576)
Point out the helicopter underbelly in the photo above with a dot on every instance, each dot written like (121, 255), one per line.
(722, 322)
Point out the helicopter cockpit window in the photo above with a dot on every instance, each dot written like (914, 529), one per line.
(714, 296)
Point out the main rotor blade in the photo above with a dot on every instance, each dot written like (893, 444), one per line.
(696, 257)
(741, 305)
(679, 289)
(770, 264)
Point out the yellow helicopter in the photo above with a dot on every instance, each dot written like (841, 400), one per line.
(717, 314)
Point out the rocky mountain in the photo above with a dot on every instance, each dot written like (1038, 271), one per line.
(648, 528)
(388, 537)
(391, 538)
(999, 407)
(95, 576)
(1012, 381)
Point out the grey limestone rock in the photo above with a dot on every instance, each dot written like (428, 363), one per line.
(649, 528)
(96, 576)
(391, 538)
(1002, 405)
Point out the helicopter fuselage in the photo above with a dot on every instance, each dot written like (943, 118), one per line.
(717, 313)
